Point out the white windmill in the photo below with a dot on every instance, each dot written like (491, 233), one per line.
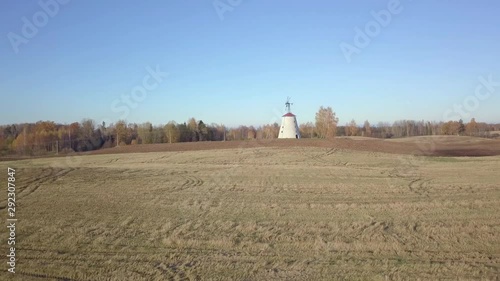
(289, 127)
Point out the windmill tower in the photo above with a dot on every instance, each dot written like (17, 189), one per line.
(289, 127)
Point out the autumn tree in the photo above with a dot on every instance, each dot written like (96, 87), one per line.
(73, 134)
(450, 128)
(351, 128)
(158, 134)
(3, 146)
(307, 130)
(217, 132)
(346, 129)
(45, 136)
(87, 128)
(384, 130)
(202, 131)
(172, 132)
(121, 132)
(239, 133)
(326, 123)
(145, 133)
(251, 133)
(22, 143)
(270, 131)
(472, 127)
(192, 126)
(367, 129)
(461, 127)
(184, 133)
(89, 137)
(10, 131)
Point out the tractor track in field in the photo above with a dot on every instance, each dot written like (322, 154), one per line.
(194, 217)
(55, 175)
(111, 161)
(381, 228)
(161, 158)
(179, 269)
(319, 157)
(44, 276)
(420, 187)
(409, 172)
(171, 271)
(325, 157)
(48, 176)
(190, 182)
(48, 253)
(43, 174)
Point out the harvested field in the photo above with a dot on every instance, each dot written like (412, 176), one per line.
(430, 145)
(426, 145)
(259, 212)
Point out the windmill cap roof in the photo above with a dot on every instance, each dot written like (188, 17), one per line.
(289, 114)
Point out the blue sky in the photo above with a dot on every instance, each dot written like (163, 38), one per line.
(239, 68)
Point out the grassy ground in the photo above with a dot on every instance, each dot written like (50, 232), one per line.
(256, 214)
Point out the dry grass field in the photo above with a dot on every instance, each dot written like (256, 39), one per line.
(256, 213)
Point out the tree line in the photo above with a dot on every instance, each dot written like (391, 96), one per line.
(45, 137)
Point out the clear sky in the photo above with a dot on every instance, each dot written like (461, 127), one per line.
(235, 62)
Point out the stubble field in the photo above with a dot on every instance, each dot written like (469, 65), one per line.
(257, 213)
